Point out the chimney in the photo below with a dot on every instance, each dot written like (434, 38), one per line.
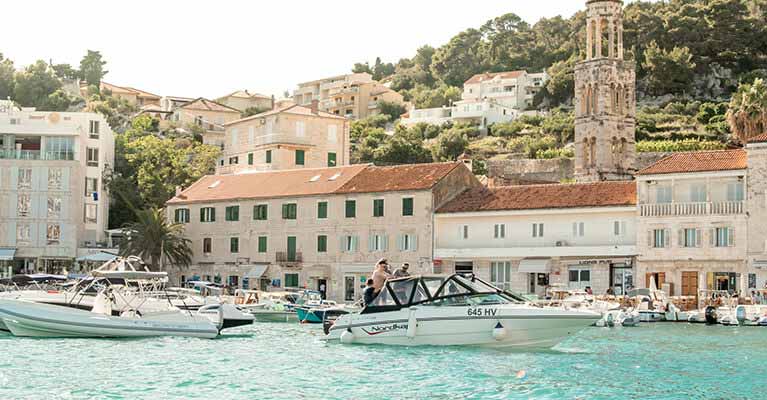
(315, 106)
(178, 190)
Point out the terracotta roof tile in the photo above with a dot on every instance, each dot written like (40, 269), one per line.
(533, 197)
(758, 138)
(487, 76)
(208, 105)
(398, 178)
(698, 161)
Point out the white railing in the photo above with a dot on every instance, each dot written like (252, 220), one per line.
(691, 209)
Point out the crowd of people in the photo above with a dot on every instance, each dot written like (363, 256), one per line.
(381, 273)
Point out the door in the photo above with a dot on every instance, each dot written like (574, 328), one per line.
(349, 284)
(660, 278)
(291, 248)
(322, 287)
(689, 283)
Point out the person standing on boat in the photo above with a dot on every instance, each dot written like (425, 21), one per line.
(401, 272)
(380, 274)
(369, 293)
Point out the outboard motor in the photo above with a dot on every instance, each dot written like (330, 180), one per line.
(740, 314)
(711, 315)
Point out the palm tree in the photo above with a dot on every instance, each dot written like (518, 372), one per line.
(747, 115)
(156, 240)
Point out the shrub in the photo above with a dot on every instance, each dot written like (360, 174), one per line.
(554, 153)
(678, 145)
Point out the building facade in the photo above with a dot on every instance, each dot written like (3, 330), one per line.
(532, 238)
(312, 227)
(208, 115)
(605, 99)
(693, 229)
(136, 97)
(756, 201)
(242, 100)
(53, 202)
(353, 96)
(289, 138)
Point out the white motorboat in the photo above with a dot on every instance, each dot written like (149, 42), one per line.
(619, 317)
(458, 310)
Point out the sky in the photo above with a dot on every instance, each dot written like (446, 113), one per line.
(210, 48)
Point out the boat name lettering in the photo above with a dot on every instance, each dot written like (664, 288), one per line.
(378, 329)
(482, 312)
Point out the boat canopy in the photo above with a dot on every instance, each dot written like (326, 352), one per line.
(457, 289)
(133, 275)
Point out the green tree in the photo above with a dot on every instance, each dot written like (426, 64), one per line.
(403, 147)
(460, 58)
(65, 71)
(442, 95)
(7, 81)
(560, 87)
(382, 70)
(391, 109)
(254, 110)
(668, 71)
(92, 68)
(157, 241)
(747, 114)
(360, 68)
(35, 84)
(450, 144)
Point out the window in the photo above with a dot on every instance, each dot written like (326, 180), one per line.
(378, 242)
(251, 135)
(723, 237)
(291, 280)
(659, 238)
(234, 245)
(300, 155)
(500, 274)
(93, 129)
(92, 157)
(331, 159)
(332, 133)
(350, 243)
(262, 244)
(537, 230)
(198, 120)
(698, 193)
(619, 228)
(322, 210)
(59, 148)
(91, 187)
(260, 212)
(499, 231)
(322, 244)
(234, 160)
(689, 237)
(407, 206)
(463, 231)
(207, 214)
(351, 208)
(207, 245)
(25, 178)
(232, 213)
(735, 191)
(289, 211)
(54, 178)
(53, 233)
(578, 229)
(268, 156)
(407, 242)
(54, 207)
(378, 208)
(300, 128)
(181, 215)
(663, 194)
(234, 138)
(24, 204)
(250, 158)
(579, 277)
(23, 233)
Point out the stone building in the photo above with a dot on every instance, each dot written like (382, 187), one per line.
(756, 200)
(605, 105)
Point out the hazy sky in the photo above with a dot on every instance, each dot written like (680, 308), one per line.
(210, 48)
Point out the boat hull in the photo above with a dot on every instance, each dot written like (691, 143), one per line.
(528, 328)
(39, 320)
(275, 316)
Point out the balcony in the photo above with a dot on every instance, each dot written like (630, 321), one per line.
(10, 154)
(289, 259)
(282, 138)
(692, 209)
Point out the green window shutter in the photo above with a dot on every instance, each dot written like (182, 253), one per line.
(212, 214)
(176, 215)
(236, 213)
(285, 211)
(268, 156)
(250, 158)
(292, 211)
(202, 214)
(322, 210)
(351, 208)
(407, 206)
(300, 157)
(234, 245)
(331, 159)
(322, 244)
(260, 212)
(262, 244)
(378, 208)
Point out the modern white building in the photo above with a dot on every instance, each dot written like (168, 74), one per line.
(531, 238)
(53, 203)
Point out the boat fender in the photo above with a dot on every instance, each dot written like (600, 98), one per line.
(499, 332)
(347, 337)
(412, 323)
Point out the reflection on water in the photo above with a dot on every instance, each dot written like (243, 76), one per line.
(289, 361)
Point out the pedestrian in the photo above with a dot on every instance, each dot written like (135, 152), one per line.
(402, 271)
(380, 274)
(322, 290)
(369, 293)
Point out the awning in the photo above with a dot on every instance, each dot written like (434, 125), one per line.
(7, 254)
(535, 265)
(257, 271)
(97, 257)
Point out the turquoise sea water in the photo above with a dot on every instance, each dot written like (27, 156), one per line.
(288, 361)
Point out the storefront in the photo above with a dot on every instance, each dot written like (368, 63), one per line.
(537, 270)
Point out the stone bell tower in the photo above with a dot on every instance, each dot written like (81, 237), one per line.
(605, 99)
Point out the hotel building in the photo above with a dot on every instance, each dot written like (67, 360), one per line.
(353, 96)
